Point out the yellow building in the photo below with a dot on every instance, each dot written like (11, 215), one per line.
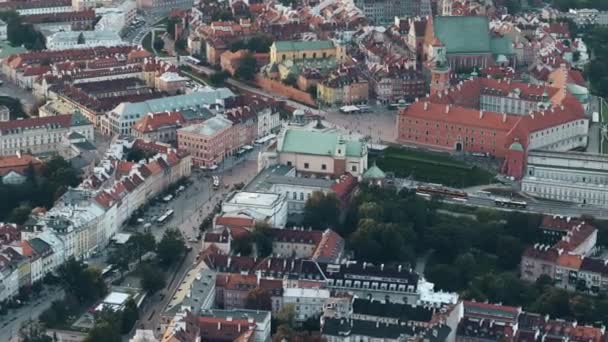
(343, 88)
(305, 50)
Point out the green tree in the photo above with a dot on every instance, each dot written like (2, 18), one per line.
(80, 39)
(171, 247)
(130, 315)
(258, 299)
(217, 78)
(158, 44)
(32, 331)
(242, 246)
(513, 6)
(181, 45)
(246, 68)
(107, 327)
(322, 210)
(20, 214)
(151, 280)
(263, 240)
(171, 22)
(85, 283)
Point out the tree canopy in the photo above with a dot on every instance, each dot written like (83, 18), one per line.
(322, 211)
(246, 68)
(171, 247)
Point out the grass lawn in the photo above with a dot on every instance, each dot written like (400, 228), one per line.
(432, 167)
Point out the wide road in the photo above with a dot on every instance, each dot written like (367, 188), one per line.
(538, 206)
(191, 207)
(11, 323)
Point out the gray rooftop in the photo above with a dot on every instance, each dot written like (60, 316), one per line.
(209, 127)
(203, 98)
(257, 315)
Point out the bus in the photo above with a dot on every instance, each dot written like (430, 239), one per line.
(165, 216)
(440, 191)
(510, 203)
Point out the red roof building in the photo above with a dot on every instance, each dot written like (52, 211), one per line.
(502, 119)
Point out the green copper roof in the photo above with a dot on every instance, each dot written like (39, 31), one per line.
(291, 45)
(374, 172)
(463, 34)
(501, 46)
(516, 146)
(318, 143)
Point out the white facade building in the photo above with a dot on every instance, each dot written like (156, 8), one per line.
(121, 119)
(268, 120)
(307, 302)
(69, 40)
(267, 207)
(41, 135)
(567, 176)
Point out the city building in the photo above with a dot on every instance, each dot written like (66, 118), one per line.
(383, 12)
(209, 142)
(163, 7)
(281, 51)
(260, 318)
(161, 126)
(14, 168)
(502, 119)
(343, 86)
(347, 330)
(264, 207)
(468, 42)
(121, 119)
(41, 135)
(307, 302)
(82, 39)
(567, 176)
(321, 153)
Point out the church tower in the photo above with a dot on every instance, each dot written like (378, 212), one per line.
(439, 69)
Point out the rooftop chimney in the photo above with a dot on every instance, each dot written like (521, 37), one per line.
(481, 114)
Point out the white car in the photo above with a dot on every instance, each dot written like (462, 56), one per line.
(168, 198)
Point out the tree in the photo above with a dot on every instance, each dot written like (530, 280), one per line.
(383, 242)
(263, 240)
(181, 45)
(85, 283)
(513, 6)
(171, 22)
(287, 315)
(159, 44)
(141, 243)
(151, 280)
(130, 315)
(107, 327)
(242, 246)
(322, 210)
(81, 39)
(246, 68)
(171, 247)
(258, 299)
(20, 214)
(217, 78)
(32, 331)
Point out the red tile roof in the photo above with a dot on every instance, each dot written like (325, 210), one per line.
(234, 222)
(221, 329)
(154, 121)
(63, 121)
(17, 163)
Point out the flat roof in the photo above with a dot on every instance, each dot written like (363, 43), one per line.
(253, 198)
(116, 298)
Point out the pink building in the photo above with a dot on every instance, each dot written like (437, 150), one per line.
(208, 142)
